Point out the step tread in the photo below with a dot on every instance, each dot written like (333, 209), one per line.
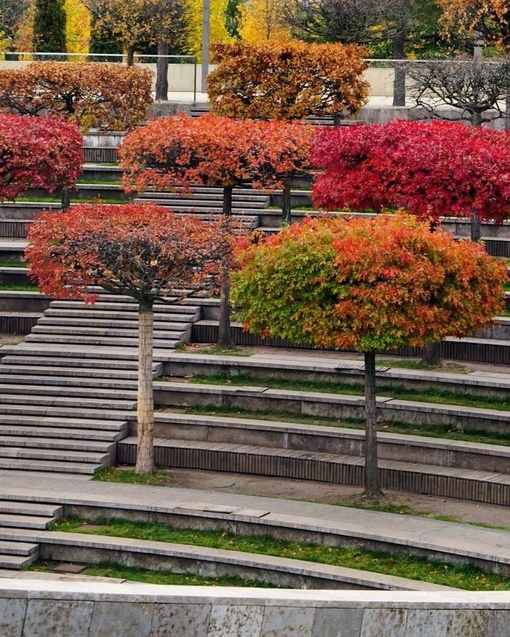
(53, 443)
(324, 457)
(24, 521)
(52, 454)
(10, 547)
(19, 507)
(34, 465)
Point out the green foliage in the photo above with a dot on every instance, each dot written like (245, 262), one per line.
(50, 26)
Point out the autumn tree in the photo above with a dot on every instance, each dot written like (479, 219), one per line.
(220, 23)
(12, 13)
(475, 88)
(369, 286)
(214, 151)
(140, 21)
(489, 18)
(38, 153)
(141, 250)
(288, 80)
(77, 26)
(428, 168)
(105, 96)
(394, 27)
(263, 20)
(50, 26)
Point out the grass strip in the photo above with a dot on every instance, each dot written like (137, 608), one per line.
(430, 395)
(427, 431)
(18, 288)
(127, 476)
(411, 567)
(135, 574)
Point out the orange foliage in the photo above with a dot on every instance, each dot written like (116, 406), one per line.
(368, 285)
(213, 150)
(106, 96)
(491, 17)
(288, 80)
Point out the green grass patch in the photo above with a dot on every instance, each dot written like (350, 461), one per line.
(453, 368)
(214, 349)
(13, 264)
(135, 574)
(18, 288)
(74, 200)
(430, 395)
(86, 181)
(445, 432)
(418, 568)
(112, 474)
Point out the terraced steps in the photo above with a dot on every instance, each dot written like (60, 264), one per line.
(18, 521)
(330, 454)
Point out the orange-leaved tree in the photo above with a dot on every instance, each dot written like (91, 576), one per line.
(215, 151)
(40, 153)
(366, 285)
(145, 251)
(287, 80)
(488, 18)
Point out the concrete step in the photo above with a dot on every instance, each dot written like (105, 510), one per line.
(481, 486)
(8, 547)
(16, 562)
(25, 433)
(88, 373)
(116, 398)
(52, 380)
(21, 521)
(71, 404)
(61, 443)
(51, 425)
(122, 304)
(120, 332)
(56, 455)
(96, 340)
(28, 508)
(47, 466)
(64, 411)
(64, 359)
(117, 319)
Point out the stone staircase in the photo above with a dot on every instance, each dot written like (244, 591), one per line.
(18, 522)
(66, 391)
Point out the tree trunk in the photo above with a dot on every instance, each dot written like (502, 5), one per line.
(162, 72)
(286, 204)
(65, 199)
(399, 81)
(145, 405)
(372, 483)
(130, 55)
(476, 227)
(224, 329)
(432, 355)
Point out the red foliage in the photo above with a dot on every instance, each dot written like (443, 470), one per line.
(38, 153)
(212, 150)
(428, 168)
(142, 250)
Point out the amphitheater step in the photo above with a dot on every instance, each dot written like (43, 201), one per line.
(76, 373)
(309, 465)
(123, 388)
(96, 340)
(33, 435)
(65, 359)
(119, 321)
(51, 425)
(18, 521)
(47, 466)
(86, 396)
(110, 332)
(14, 441)
(64, 411)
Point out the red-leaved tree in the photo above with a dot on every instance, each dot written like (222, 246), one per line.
(38, 153)
(141, 250)
(215, 151)
(430, 169)
(368, 285)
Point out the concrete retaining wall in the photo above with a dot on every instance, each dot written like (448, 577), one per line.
(31, 608)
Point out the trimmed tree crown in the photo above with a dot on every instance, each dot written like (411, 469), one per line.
(367, 285)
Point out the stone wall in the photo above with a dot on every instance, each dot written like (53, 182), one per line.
(30, 608)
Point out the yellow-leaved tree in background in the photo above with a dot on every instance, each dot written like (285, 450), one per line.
(218, 30)
(262, 20)
(78, 26)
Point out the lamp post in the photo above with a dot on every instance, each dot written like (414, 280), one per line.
(206, 22)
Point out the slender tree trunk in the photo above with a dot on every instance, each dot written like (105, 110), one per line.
(372, 482)
(162, 72)
(286, 204)
(65, 199)
(432, 355)
(224, 329)
(399, 82)
(145, 406)
(130, 55)
(476, 227)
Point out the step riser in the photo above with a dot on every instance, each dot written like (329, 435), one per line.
(110, 341)
(63, 385)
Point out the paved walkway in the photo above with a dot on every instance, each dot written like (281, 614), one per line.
(432, 535)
